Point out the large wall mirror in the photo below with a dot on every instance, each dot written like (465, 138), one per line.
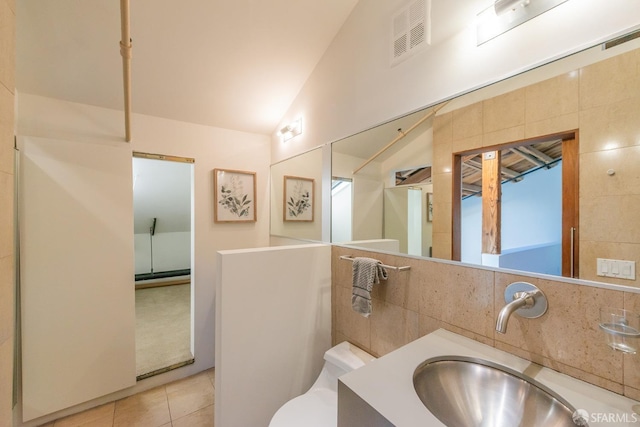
(389, 172)
(560, 147)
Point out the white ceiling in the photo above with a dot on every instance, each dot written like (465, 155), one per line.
(235, 64)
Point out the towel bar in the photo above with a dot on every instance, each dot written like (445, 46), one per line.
(390, 267)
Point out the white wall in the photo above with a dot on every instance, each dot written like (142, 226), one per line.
(353, 86)
(287, 241)
(368, 195)
(396, 216)
(273, 325)
(211, 148)
(388, 245)
(171, 251)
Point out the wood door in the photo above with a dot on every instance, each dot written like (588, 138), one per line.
(570, 207)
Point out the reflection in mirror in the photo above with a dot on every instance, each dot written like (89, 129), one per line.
(593, 109)
(390, 170)
(530, 208)
(341, 208)
(591, 98)
(305, 168)
(411, 176)
(163, 236)
(405, 218)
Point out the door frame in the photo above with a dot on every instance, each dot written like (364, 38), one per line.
(191, 161)
(570, 196)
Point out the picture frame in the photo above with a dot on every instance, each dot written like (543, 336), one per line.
(234, 196)
(299, 199)
(429, 207)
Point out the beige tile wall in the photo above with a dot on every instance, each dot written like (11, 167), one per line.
(466, 300)
(602, 101)
(7, 95)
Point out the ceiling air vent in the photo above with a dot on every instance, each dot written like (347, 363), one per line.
(410, 30)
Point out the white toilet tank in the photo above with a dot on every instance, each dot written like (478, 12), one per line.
(318, 407)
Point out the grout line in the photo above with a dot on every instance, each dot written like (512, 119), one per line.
(166, 394)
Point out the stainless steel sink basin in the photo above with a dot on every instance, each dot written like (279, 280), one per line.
(468, 392)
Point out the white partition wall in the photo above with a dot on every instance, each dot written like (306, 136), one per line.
(273, 325)
(77, 292)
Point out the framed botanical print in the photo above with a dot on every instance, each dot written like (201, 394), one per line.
(298, 199)
(235, 196)
(429, 207)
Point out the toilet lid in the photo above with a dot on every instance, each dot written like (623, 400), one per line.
(317, 408)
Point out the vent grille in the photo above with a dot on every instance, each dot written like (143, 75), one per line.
(626, 38)
(400, 46)
(417, 35)
(410, 30)
(400, 27)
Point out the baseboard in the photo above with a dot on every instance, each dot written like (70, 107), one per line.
(165, 283)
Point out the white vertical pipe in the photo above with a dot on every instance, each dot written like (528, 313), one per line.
(125, 51)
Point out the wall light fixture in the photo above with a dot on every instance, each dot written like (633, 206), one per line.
(505, 15)
(291, 130)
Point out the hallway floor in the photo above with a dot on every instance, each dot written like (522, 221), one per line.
(184, 403)
(163, 327)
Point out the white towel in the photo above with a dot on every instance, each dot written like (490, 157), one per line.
(366, 273)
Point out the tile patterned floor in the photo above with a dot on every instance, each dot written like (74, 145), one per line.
(183, 403)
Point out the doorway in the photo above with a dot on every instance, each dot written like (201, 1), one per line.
(405, 219)
(163, 242)
(516, 206)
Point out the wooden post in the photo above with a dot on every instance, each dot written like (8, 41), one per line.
(491, 202)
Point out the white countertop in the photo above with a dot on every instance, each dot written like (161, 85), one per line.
(386, 384)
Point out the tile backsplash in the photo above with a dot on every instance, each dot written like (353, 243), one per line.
(466, 300)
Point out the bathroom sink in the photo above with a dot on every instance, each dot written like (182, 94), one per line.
(469, 392)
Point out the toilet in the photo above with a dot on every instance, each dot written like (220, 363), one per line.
(318, 407)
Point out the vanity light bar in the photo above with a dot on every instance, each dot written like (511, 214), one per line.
(505, 15)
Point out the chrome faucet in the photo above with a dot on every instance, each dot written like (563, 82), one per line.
(523, 299)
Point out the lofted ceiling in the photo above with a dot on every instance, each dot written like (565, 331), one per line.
(235, 64)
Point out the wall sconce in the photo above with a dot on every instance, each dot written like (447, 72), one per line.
(504, 15)
(291, 130)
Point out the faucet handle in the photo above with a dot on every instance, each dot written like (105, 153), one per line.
(536, 301)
